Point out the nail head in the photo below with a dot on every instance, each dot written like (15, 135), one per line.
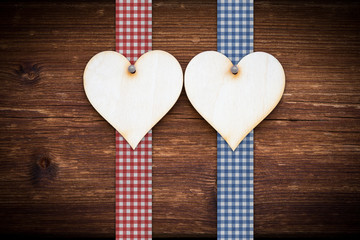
(234, 69)
(132, 69)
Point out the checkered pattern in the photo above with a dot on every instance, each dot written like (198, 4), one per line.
(235, 189)
(133, 167)
(133, 189)
(235, 178)
(133, 27)
(235, 28)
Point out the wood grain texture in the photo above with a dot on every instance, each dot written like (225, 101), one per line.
(234, 103)
(133, 102)
(58, 155)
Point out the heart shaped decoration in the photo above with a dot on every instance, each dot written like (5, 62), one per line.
(133, 102)
(234, 104)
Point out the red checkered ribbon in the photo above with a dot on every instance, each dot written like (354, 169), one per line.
(133, 167)
(133, 28)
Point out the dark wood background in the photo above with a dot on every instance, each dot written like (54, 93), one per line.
(57, 154)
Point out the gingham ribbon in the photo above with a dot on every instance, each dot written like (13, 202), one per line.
(133, 167)
(235, 175)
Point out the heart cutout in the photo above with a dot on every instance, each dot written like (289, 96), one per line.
(133, 102)
(234, 104)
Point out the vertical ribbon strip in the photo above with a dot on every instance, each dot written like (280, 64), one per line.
(235, 175)
(133, 167)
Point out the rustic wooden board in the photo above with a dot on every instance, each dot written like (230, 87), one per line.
(58, 155)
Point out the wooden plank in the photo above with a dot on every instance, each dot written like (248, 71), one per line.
(306, 153)
(58, 155)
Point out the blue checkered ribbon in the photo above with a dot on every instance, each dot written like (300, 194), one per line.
(235, 171)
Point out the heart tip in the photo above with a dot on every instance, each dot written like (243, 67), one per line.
(234, 147)
(133, 146)
(231, 144)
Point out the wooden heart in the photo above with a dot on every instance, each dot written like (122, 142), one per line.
(133, 102)
(234, 104)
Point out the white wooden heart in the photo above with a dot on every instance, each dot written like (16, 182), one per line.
(234, 104)
(133, 103)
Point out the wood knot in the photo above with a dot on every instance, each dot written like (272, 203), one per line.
(43, 169)
(28, 74)
(44, 162)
